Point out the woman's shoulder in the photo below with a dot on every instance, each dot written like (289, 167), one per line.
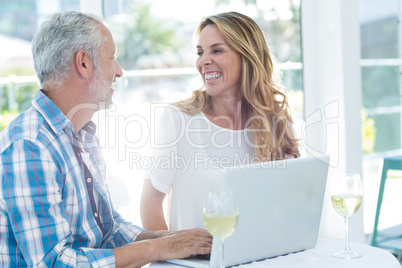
(169, 108)
(173, 110)
(168, 114)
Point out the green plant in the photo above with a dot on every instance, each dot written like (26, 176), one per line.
(368, 133)
(22, 96)
(138, 33)
(6, 117)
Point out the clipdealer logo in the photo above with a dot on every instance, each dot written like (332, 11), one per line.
(130, 133)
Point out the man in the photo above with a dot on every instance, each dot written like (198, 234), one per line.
(55, 209)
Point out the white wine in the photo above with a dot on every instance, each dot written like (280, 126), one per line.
(346, 204)
(219, 226)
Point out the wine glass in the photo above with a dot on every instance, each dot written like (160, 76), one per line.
(220, 217)
(346, 197)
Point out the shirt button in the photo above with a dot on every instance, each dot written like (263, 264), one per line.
(96, 214)
(89, 180)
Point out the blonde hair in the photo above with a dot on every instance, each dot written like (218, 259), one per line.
(265, 104)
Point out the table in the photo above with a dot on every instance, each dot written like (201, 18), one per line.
(320, 257)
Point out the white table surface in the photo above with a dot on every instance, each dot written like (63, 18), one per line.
(320, 257)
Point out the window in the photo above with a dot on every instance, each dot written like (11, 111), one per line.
(380, 32)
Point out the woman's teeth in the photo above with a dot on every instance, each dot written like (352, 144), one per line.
(210, 76)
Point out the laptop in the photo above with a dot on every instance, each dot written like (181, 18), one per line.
(280, 205)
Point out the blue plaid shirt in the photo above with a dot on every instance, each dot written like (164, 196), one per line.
(46, 218)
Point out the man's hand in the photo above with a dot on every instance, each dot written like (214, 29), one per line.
(163, 245)
(182, 244)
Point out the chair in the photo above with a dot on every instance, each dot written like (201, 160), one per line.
(390, 239)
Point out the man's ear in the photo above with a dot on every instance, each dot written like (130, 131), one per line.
(83, 64)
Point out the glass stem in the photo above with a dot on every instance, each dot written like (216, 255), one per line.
(221, 251)
(347, 248)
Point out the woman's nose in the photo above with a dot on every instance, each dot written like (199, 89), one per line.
(205, 60)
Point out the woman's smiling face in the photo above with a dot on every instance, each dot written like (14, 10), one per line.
(218, 63)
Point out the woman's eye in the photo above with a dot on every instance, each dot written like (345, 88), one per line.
(217, 51)
(200, 53)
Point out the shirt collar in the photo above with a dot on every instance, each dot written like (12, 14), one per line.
(51, 113)
(55, 117)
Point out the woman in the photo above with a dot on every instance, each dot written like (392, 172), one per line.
(239, 116)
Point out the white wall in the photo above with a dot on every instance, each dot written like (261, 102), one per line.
(332, 84)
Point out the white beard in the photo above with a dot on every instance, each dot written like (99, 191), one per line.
(100, 88)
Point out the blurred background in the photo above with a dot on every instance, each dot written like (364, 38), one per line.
(155, 46)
